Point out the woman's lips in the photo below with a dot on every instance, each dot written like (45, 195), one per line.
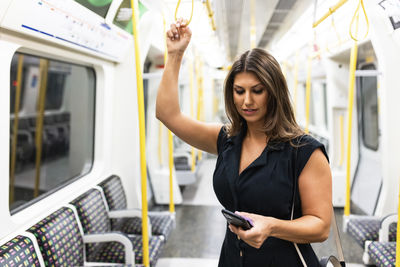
(249, 111)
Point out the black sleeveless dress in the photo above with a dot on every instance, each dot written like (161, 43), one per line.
(265, 187)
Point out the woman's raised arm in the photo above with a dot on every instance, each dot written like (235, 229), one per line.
(198, 134)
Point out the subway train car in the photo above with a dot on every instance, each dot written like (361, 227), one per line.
(90, 177)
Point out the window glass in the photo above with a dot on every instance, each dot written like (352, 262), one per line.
(369, 109)
(52, 135)
(123, 17)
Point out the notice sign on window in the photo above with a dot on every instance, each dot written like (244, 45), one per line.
(392, 9)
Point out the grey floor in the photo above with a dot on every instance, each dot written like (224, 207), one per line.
(200, 228)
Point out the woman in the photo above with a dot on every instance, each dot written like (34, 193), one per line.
(265, 162)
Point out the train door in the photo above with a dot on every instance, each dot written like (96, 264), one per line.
(368, 178)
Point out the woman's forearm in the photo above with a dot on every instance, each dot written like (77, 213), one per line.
(167, 104)
(306, 229)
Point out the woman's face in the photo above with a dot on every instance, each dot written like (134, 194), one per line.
(250, 98)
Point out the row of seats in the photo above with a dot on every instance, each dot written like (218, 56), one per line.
(377, 236)
(94, 227)
(55, 141)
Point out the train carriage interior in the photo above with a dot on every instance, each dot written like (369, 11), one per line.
(90, 176)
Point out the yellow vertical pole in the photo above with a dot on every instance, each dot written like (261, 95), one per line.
(15, 126)
(170, 145)
(252, 24)
(296, 81)
(308, 93)
(142, 133)
(341, 140)
(353, 66)
(398, 235)
(191, 83)
(43, 67)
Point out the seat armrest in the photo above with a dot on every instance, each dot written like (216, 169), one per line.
(384, 230)
(114, 214)
(116, 237)
(131, 213)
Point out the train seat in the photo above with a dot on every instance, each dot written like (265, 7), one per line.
(94, 218)
(61, 240)
(161, 222)
(382, 253)
(364, 228)
(20, 251)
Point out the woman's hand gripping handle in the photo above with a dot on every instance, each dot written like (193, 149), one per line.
(178, 37)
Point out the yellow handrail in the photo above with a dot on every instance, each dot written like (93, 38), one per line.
(191, 82)
(296, 82)
(43, 67)
(176, 11)
(330, 12)
(15, 126)
(210, 14)
(142, 134)
(341, 140)
(398, 235)
(353, 65)
(170, 144)
(252, 25)
(308, 93)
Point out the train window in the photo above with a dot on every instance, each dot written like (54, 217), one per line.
(369, 109)
(52, 134)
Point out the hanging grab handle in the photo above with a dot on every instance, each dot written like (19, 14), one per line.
(355, 16)
(191, 13)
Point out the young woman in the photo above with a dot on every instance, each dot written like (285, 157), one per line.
(267, 168)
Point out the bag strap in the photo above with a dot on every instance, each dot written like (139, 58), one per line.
(324, 261)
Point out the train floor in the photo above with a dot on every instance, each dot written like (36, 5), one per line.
(200, 228)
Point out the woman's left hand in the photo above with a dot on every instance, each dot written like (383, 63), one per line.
(261, 230)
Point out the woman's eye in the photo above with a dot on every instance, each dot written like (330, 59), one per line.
(239, 92)
(258, 91)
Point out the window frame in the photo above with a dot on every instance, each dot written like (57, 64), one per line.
(95, 94)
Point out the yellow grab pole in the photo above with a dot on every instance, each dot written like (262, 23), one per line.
(142, 134)
(308, 93)
(353, 66)
(210, 14)
(330, 12)
(252, 25)
(43, 67)
(296, 82)
(191, 83)
(170, 146)
(398, 235)
(341, 140)
(15, 126)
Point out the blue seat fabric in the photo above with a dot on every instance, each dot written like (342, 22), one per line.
(382, 253)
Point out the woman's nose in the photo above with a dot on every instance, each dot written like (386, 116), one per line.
(247, 99)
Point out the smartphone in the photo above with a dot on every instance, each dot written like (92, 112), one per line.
(237, 220)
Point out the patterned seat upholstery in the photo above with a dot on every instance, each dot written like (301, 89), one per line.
(382, 253)
(161, 224)
(59, 239)
(94, 218)
(19, 251)
(363, 229)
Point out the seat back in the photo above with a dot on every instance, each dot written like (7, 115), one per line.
(19, 251)
(59, 239)
(114, 192)
(93, 216)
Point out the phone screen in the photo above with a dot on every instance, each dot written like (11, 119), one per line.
(237, 220)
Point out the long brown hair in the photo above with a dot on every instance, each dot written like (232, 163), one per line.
(280, 123)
